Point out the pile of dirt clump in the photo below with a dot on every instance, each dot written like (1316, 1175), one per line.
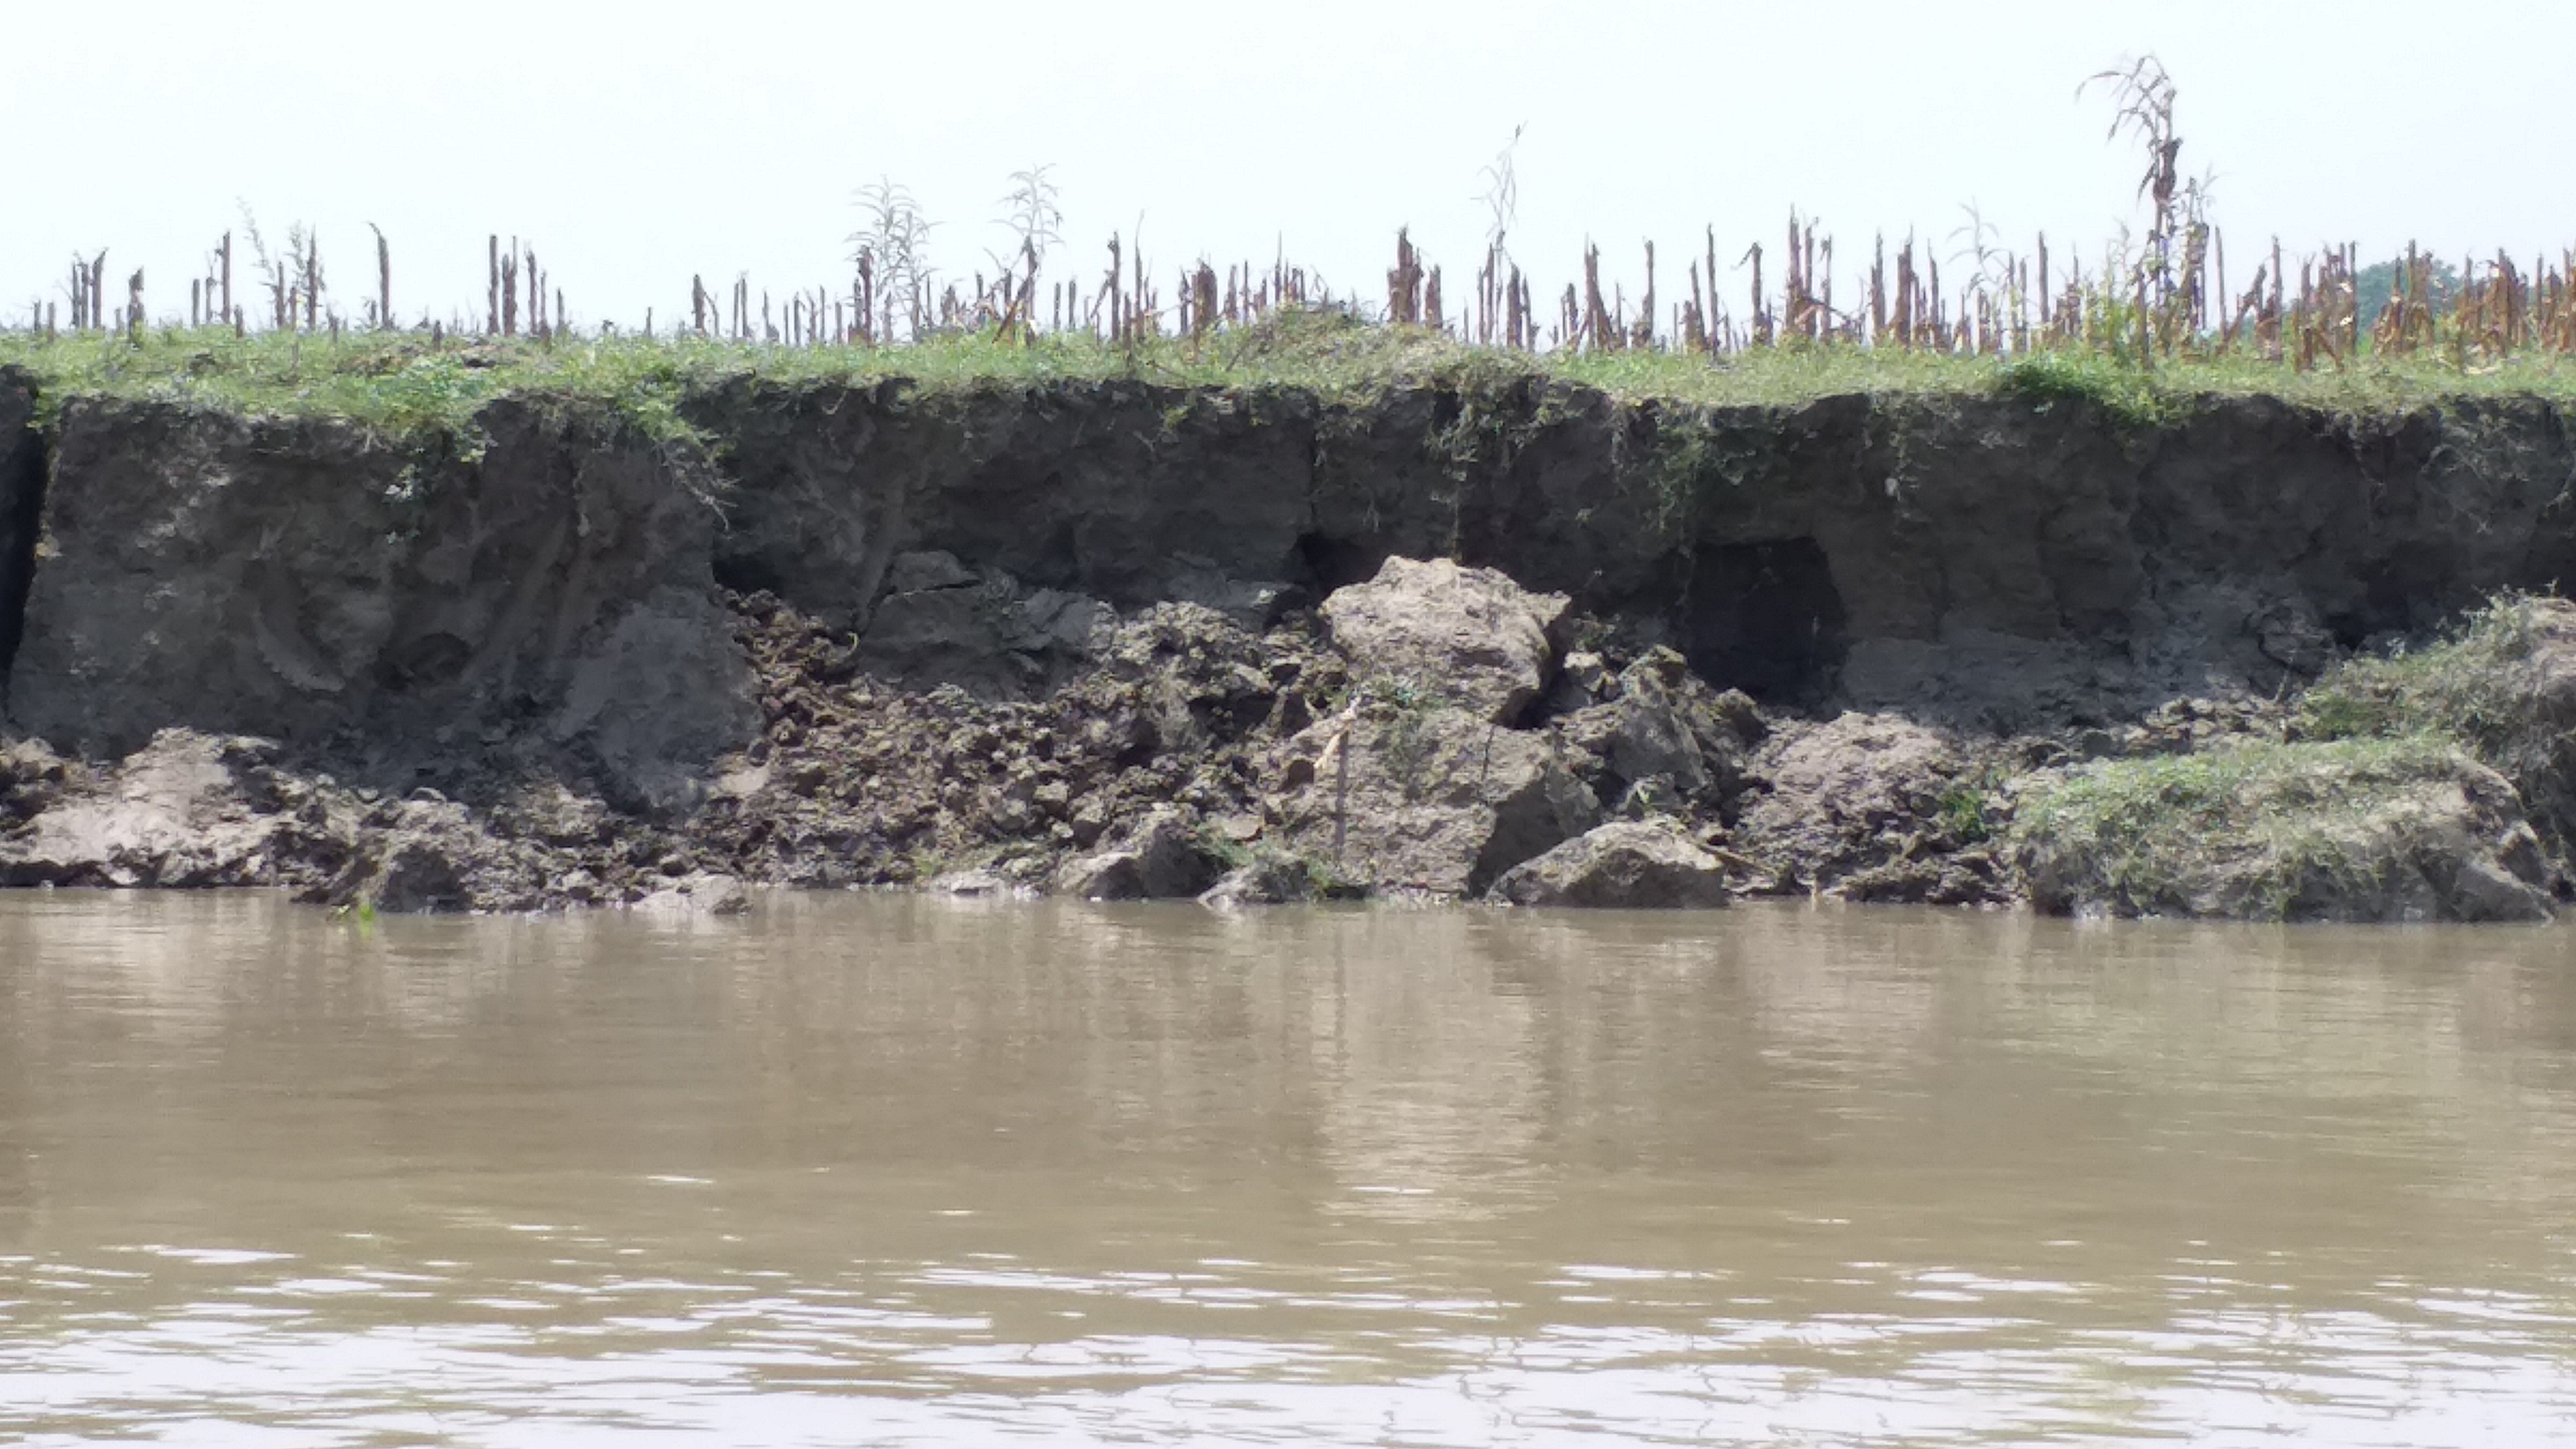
(1425, 733)
(1872, 807)
(1433, 731)
(1626, 864)
(860, 781)
(192, 810)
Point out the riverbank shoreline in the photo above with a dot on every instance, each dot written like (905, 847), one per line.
(1114, 638)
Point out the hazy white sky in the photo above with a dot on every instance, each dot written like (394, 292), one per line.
(637, 142)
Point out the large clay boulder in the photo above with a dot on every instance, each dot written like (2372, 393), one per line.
(1467, 637)
(1657, 732)
(1270, 878)
(700, 893)
(32, 777)
(1158, 859)
(1638, 738)
(430, 855)
(2352, 830)
(1437, 801)
(1626, 864)
(1870, 807)
(167, 815)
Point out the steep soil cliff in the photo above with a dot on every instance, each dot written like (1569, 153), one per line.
(22, 502)
(305, 581)
(551, 599)
(1988, 554)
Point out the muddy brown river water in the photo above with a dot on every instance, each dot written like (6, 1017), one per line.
(888, 1170)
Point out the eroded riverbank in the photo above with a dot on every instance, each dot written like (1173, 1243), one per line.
(1080, 636)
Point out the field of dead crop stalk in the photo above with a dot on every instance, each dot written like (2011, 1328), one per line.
(2163, 308)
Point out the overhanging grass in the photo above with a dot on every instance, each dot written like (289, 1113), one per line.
(2473, 684)
(402, 383)
(2502, 684)
(2244, 830)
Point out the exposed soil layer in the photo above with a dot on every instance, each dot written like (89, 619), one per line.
(22, 503)
(1074, 637)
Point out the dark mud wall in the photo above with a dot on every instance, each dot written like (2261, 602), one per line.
(1981, 557)
(22, 502)
(1986, 556)
(297, 579)
(1123, 491)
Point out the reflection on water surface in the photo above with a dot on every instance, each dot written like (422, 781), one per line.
(891, 1170)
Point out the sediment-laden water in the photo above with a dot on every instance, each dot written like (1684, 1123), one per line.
(895, 1170)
